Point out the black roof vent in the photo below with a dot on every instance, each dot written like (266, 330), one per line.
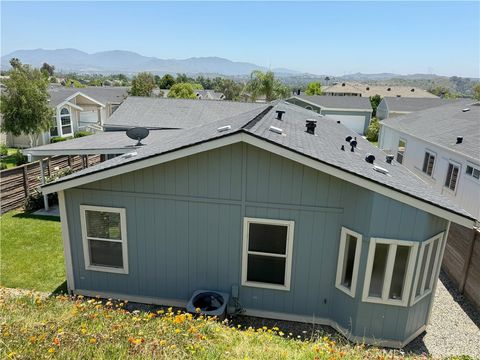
(413, 90)
(338, 121)
(280, 114)
(353, 143)
(348, 138)
(389, 159)
(343, 84)
(368, 88)
(370, 158)
(459, 139)
(311, 125)
(298, 92)
(388, 89)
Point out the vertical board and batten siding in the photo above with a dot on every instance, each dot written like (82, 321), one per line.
(185, 223)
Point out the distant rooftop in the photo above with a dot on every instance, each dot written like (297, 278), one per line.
(405, 104)
(441, 125)
(366, 90)
(103, 94)
(338, 102)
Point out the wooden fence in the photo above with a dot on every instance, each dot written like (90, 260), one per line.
(462, 261)
(17, 183)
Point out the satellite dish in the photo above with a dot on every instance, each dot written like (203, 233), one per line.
(138, 133)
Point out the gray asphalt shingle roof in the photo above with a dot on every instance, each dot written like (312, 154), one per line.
(173, 113)
(442, 124)
(404, 104)
(324, 146)
(105, 94)
(338, 102)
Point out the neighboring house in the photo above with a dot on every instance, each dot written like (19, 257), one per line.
(352, 111)
(365, 90)
(442, 146)
(264, 206)
(394, 106)
(76, 109)
(201, 94)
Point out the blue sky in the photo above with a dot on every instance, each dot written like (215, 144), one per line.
(317, 37)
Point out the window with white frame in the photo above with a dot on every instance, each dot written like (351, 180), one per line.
(428, 264)
(54, 128)
(348, 261)
(389, 271)
(402, 145)
(473, 171)
(104, 238)
(452, 176)
(267, 253)
(428, 163)
(66, 122)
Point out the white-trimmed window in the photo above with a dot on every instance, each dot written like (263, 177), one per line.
(66, 122)
(452, 176)
(389, 273)
(54, 128)
(473, 171)
(348, 261)
(104, 234)
(427, 267)
(428, 163)
(267, 253)
(402, 146)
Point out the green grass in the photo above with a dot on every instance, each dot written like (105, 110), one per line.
(74, 328)
(9, 160)
(31, 254)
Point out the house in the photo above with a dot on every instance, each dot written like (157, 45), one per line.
(365, 90)
(352, 111)
(395, 106)
(441, 145)
(76, 110)
(280, 211)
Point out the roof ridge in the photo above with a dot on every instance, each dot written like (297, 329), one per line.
(257, 118)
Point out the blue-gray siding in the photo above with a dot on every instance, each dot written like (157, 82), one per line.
(184, 225)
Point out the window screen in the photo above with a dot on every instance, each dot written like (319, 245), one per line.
(349, 261)
(378, 270)
(428, 163)
(105, 243)
(267, 258)
(399, 271)
(452, 175)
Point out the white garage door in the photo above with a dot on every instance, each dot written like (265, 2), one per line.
(353, 122)
(88, 117)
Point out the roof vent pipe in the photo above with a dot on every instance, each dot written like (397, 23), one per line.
(280, 114)
(370, 158)
(342, 148)
(311, 125)
(459, 139)
(353, 143)
(298, 92)
(389, 159)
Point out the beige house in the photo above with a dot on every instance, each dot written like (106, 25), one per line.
(365, 90)
(84, 109)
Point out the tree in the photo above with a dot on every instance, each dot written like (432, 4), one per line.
(443, 92)
(182, 91)
(47, 69)
(373, 129)
(314, 88)
(374, 101)
(24, 103)
(476, 92)
(142, 84)
(261, 83)
(183, 78)
(15, 63)
(166, 81)
(230, 89)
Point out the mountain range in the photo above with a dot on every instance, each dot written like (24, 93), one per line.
(73, 60)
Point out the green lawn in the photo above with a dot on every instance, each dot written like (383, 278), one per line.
(9, 160)
(31, 255)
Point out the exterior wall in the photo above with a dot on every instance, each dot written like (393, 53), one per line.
(184, 225)
(382, 110)
(467, 193)
(357, 121)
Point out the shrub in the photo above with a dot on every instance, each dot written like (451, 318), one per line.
(373, 129)
(79, 134)
(3, 166)
(3, 150)
(19, 158)
(59, 139)
(34, 201)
